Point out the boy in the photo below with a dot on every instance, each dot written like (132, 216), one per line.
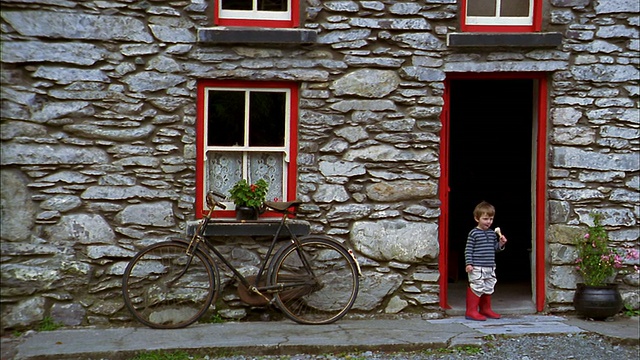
(480, 254)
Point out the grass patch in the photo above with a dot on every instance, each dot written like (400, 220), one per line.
(213, 319)
(165, 355)
(48, 324)
(628, 311)
(458, 350)
(352, 356)
(469, 350)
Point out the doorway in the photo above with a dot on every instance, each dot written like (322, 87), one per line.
(491, 147)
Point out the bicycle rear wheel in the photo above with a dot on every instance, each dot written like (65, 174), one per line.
(165, 288)
(323, 291)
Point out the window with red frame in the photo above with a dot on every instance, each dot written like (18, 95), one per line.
(263, 13)
(246, 130)
(501, 15)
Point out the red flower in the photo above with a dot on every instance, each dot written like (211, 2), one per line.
(252, 195)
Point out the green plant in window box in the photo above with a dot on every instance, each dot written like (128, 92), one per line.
(249, 195)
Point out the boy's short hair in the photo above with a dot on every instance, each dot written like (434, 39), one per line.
(482, 209)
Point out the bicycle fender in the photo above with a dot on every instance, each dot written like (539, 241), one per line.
(355, 260)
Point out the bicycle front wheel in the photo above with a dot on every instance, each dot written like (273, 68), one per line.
(318, 281)
(165, 288)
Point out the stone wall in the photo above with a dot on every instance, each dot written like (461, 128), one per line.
(98, 140)
(594, 137)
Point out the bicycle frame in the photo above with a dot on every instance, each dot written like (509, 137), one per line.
(311, 279)
(198, 237)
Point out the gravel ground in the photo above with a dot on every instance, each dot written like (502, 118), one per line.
(529, 347)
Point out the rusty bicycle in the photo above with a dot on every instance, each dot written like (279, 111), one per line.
(312, 279)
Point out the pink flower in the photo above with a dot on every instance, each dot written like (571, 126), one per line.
(586, 236)
(617, 261)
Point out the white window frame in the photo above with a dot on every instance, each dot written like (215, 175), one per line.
(498, 20)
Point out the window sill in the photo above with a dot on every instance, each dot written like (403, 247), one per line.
(539, 40)
(244, 35)
(261, 227)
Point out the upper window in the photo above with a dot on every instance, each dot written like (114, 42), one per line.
(263, 13)
(501, 15)
(246, 130)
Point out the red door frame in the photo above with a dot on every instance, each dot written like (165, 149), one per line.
(540, 181)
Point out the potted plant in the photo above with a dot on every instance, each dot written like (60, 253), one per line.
(598, 297)
(248, 198)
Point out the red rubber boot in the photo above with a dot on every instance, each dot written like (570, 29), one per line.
(473, 301)
(485, 307)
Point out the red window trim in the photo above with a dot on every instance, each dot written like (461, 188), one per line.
(293, 23)
(536, 25)
(292, 167)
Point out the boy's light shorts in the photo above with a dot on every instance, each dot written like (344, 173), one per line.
(482, 280)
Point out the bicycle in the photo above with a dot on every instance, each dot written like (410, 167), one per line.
(312, 279)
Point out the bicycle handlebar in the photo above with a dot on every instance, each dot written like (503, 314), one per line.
(212, 202)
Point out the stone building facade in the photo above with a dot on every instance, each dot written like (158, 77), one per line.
(99, 139)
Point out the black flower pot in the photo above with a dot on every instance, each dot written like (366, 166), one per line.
(246, 213)
(597, 302)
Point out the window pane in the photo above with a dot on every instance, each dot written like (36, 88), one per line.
(272, 5)
(226, 118)
(266, 118)
(237, 4)
(481, 7)
(224, 169)
(268, 166)
(514, 8)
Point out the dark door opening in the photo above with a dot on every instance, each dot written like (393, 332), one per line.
(490, 159)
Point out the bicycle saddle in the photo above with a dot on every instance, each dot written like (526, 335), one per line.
(282, 206)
